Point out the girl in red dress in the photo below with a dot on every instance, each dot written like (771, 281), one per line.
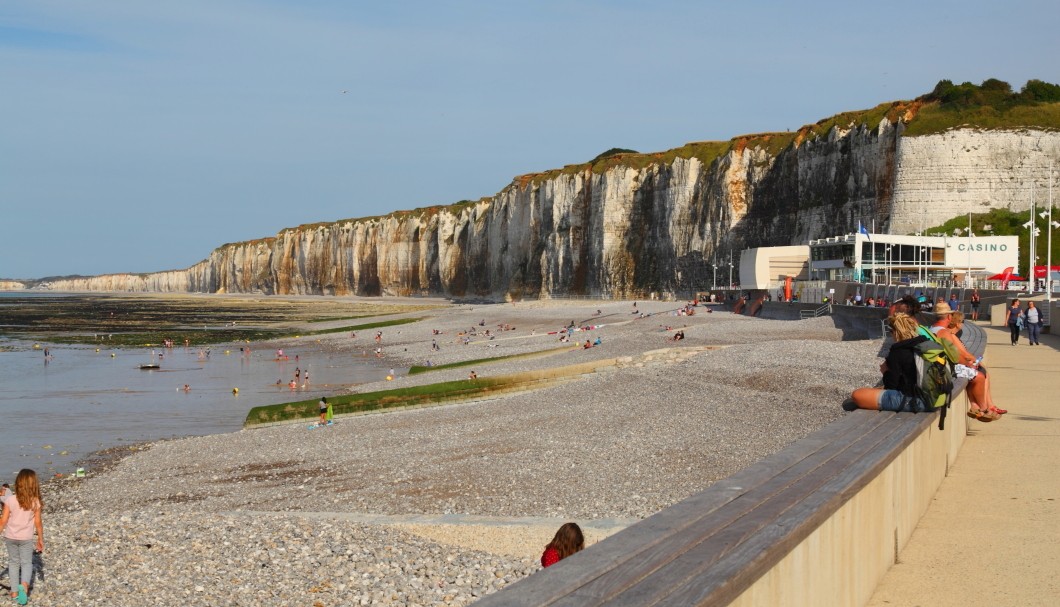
(568, 540)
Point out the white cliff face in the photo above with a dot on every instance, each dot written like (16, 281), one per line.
(969, 171)
(11, 285)
(629, 230)
(173, 281)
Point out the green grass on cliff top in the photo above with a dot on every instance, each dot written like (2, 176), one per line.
(934, 119)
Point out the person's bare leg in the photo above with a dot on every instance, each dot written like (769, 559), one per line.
(867, 398)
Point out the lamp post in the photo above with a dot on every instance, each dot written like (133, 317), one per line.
(714, 265)
(1032, 251)
(730, 268)
(921, 273)
(888, 251)
(1050, 225)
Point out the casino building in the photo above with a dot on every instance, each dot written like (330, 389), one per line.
(881, 259)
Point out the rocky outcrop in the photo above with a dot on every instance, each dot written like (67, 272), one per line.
(629, 225)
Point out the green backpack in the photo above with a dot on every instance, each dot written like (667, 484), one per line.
(934, 372)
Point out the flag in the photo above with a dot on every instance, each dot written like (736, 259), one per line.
(862, 230)
(1005, 277)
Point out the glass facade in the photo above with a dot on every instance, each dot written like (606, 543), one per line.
(879, 262)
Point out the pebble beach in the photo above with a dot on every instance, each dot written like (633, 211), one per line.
(441, 505)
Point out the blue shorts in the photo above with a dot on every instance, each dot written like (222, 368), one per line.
(893, 400)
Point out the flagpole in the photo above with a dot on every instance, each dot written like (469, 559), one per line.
(1030, 260)
(1049, 255)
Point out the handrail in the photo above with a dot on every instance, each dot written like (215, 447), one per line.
(821, 311)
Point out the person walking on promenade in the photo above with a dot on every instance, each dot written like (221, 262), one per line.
(21, 518)
(975, 304)
(1013, 320)
(1034, 319)
(567, 541)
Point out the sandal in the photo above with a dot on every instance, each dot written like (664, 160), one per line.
(999, 411)
(974, 413)
(988, 416)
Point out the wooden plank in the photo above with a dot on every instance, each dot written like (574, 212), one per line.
(565, 577)
(731, 575)
(662, 566)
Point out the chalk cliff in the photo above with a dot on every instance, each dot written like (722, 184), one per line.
(630, 224)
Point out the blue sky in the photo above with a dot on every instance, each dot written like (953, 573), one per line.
(139, 136)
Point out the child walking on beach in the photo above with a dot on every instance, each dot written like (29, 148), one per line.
(21, 517)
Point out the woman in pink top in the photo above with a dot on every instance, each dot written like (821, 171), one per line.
(20, 519)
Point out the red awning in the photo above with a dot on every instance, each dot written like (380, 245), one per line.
(1039, 271)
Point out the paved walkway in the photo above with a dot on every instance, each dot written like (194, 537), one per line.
(992, 535)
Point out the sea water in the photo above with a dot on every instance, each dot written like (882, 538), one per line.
(56, 411)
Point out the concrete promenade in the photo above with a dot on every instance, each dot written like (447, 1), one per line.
(992, 534)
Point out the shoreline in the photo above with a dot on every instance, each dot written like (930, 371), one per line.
(617, 444)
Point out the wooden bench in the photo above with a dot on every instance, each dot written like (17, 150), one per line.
(711, 547)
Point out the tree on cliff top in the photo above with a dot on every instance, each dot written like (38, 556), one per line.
(612, 152)
(992, 93)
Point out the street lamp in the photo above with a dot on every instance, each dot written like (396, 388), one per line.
(1049, 225)
(1032, 255)
(715, 266)
(730, 268)
(888, 251)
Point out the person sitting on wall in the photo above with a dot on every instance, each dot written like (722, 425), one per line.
(981, 406)
(900, 386)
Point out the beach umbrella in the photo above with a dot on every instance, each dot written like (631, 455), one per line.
(1011, 277)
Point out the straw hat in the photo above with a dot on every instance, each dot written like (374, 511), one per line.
(941, 309)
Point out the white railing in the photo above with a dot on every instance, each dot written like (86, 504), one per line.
(821, 311)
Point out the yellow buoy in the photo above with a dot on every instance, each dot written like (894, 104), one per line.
(97, 349)
(227, 352)
(112, 355)
(389, 377)
(235, 390)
